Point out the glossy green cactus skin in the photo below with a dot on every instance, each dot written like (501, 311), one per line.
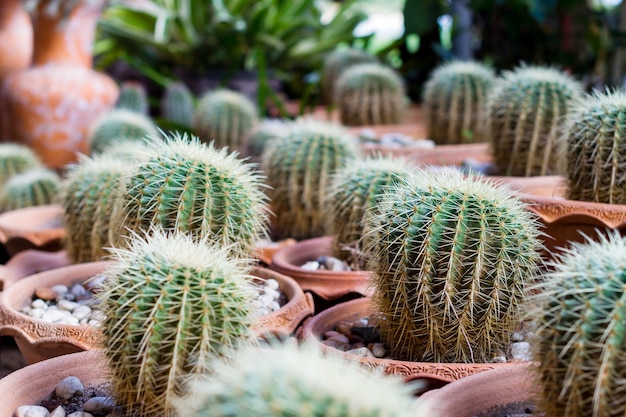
(134, 97)
(172, 304)
(120, 124)
(177, 104)
(192, 187)
(298, 168)
(34, 187)
(451, 258)
(16, 158)
(525, 112)
(455, 102)
(335, 63)
(370, 94)
(226, 118)
(580, 347)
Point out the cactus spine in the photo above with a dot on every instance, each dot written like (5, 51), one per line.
(525, 112)
(172, 304)
(370, 94)
(192, 187)
(120, 124)
(16, 158)
(298, 167)
(34, 187)
(580, 345)
(133, 97)
(265, 131)
(225, 117)
(450, 259)
(594, 149)
(455, 102)
(335, 63)
(177, 104)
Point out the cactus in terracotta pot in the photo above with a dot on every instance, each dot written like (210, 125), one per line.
(455, 102)
(133, 97)
(225, 117)
(34, 187)
(451, 258)
(177, 104)
(298, 168)
(186, 185)
(593, 156)
(525, 114)
(579, 346)
(335, 63)
(172, 304)
(120, 124)
(16, 158)
(370, 94)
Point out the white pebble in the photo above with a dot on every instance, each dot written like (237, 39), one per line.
(97, 315)
(94, 323)
(81, 312)
(80, 414)
(517, 336)
(311, 266)
(60, 289)
(31, 411)
(69, 387)
(99, 404)
(271, 283)
(274, 306)
(66, 305)
(37, 313)
(58, 412)
(499, 359)
(39, 303)
(334, 264)
(78, 290)
(52, 316)
(521, 351)
(363, 352)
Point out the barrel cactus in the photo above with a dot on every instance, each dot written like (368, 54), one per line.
(298, 167)
(120, 124)
(594, 141)
(34, 187)
(451, 258)
(195, 188)
(525, 111)
(177, 104)
(16, 158)
(225, 117)
(455, 102)
(262, 134)
(172, 304)
(370, 94)
(134, 97)
(579, 346)
(335, 63)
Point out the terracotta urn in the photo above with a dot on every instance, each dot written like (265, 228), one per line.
(314, 329)
(16, 38)
(30, 262)
(37, 227)
(52, 104)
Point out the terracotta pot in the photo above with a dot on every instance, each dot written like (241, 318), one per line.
(51, 105)
(30, 262)
(39, 340)
(314, 328)
(541, 186)
(265, 251)
(16, 38)
(37, 227)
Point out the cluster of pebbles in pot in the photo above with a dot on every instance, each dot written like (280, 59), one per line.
(394, 139)
(327, 263)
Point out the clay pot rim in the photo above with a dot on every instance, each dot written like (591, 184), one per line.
(12, 224)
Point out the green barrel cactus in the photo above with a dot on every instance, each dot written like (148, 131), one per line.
(172, 304)
(34, 187)
(87, 195)
(525, 113)
(580, 346)
(298, 168)
(133, 97)
(128, 150)
(370, 94)
(16, 158)
(595, 149)
(263, 133)
(451, 258)
(356, 188)
(177, 104)
(120, 124)
(292, 381)
(195, 188)
(455, 102)
(225, 117)
(335, 63)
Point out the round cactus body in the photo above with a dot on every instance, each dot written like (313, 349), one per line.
(226, 118)
(335, 63)
(192, 187)
(370, 94)
(134, 97)
(120, 124)
(16, 158)
(177, 104)
(34, 187)
(88, 197)
(128, 150)
(580, 346)
(455, 102)
(265, 131)
(451, 257)
(298, 167)
(525, 114)
(172, 304)
(595, 149)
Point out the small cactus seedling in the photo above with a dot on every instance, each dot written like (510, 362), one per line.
(88, 195)
(335, 63)
(172, 304)
(34, 187)
(265, 131)
(225, 117)
(195, 188)
(292, 381)
(177, 104)
(133, 97)
(16, 158)
(455, 102)
(525, 111)
(594, 149)
(451, 258)
(370, 94)
(120, 124)
(298, 167)
(580, 346)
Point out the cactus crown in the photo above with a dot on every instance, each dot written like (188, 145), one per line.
(172, 304)
(34, 187)
(455, 102)
(192, 187)
(128, 150)
(450, 257)
(298, 167)
(594, 148)
(177, 104)
(286, 381)
(120, 124)
(265, 131)
(134, 97)
(16, 158)
(525, 111)
(335, 63)
(580, 345)
(370, 94)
